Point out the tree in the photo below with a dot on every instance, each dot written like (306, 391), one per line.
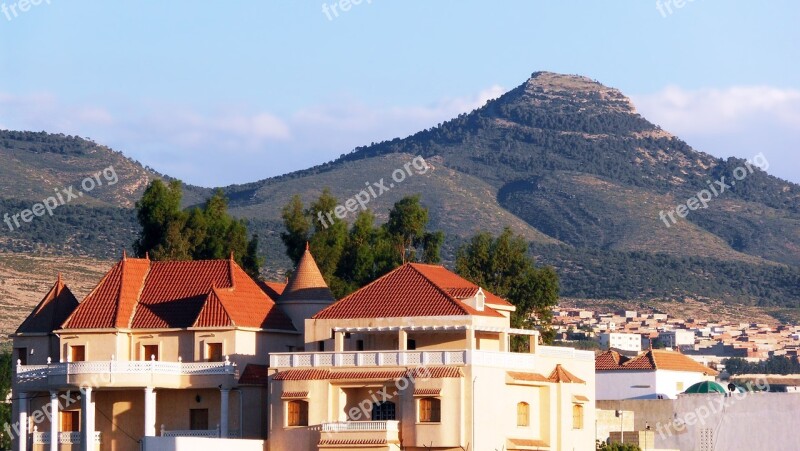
(349, 257)
(406, 226)
(502, 266)
(5, 386)
(202, 233)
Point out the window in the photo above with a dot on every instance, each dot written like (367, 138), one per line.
(77, 353)
(297, 414)
(359, 345)
(149, 352)
(523, 414)
(430, 410)
(577, 416)
(214, 352)
(198, 419)
(22, 355)
(411, 344)
(70, 421)
(321, 346)
(383, 411)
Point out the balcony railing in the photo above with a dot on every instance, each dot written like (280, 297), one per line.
(26, 373)
(361, 426)
(422, 358)
(64, 438)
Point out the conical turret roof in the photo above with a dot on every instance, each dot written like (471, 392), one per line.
(307, 283)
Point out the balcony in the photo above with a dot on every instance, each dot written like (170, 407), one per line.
(64, 438)
(336, 433)
(512, 360)
(116, 373)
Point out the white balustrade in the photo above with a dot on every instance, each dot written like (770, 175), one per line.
(64, 438)
(27, 373)
(360, 426)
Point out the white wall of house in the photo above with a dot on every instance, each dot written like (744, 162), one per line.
(628, 384)
(624, 342)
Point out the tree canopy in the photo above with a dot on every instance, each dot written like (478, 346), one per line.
(350, 256)
(502, 266)
(201, 233)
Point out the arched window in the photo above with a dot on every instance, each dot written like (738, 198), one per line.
(383, 411)
(523, 414)
(297, 413)
(577, 416)
(430, 410)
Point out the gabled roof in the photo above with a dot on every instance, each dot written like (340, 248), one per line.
(652, 359)
(409, 291)
(142, 294)
(457, 286)
(560, 375)
(272, 289)
(307, 283)
(52, 310)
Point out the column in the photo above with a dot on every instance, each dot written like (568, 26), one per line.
(224, 407)
(54, 421)
(22, 412)
(503, 341)
(149, 412)
(471, 342)
(87, 419)
(402, 340)
(534, 341)
(338, 341)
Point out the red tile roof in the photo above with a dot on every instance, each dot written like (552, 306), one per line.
(53, 309)
(307, 284)
(254, 375)
(294, 394)
(272, 289)
(410, 290)
(427, 392)
(353, 441)
(143, 294)
(560, 375)
(652, 359)
(457, 286)
(528, 377)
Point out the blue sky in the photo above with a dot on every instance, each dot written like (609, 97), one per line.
(230, 92)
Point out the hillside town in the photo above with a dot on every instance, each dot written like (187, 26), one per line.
(708, 341)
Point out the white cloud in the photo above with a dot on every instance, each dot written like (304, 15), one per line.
(737, 121)
(231, 144)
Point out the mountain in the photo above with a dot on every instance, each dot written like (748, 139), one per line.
(563, 160)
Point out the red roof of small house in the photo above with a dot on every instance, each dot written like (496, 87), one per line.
(53, 309)
(652, 359)
(307, 283)
(560, 375)
(143, 294)
(411, 290)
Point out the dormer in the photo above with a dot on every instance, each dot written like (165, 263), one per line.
(478, 301)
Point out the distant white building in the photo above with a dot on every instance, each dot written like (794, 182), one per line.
(677, 337)
(621, 341)
(650, 375)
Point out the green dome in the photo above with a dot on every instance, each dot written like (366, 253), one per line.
(706, 387)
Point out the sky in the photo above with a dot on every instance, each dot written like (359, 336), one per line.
(217, 93)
